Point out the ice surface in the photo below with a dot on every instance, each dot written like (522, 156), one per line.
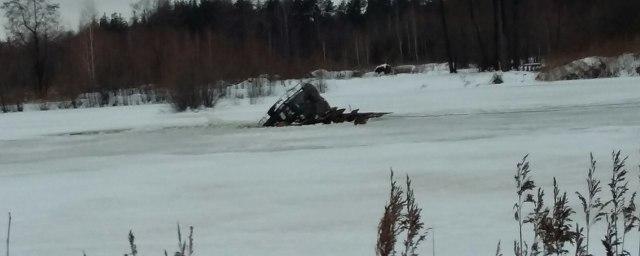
(80, 179)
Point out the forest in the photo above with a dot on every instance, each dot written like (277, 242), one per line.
(186, 45)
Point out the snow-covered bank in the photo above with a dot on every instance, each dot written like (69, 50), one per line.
(430, 94)
(316, 190)
(595, 67)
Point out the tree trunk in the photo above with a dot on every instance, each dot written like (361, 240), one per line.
(415, 35)
(515, 42)
(452, 67)
(357, 51)
(505, 29)
(38, 66)
(287, 41)
(91, 65)
(483, 54)
(560, 9)
(324, 54)
(367, 49)
(398, 34)
(497, 35)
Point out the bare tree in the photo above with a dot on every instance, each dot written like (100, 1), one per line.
(88, 12)
(34, 23)
(447, 43)
(484, 63)
(88, 16)
(142, 8)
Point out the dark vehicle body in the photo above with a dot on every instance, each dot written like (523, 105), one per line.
(306, 106)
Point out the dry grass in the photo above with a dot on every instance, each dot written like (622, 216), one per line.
(390, 224)
(554, 227)
(524, 186)
(412, 223)
(132, 244)
(592, 205)
(401, 215)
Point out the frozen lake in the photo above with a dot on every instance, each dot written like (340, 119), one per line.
(80, 179)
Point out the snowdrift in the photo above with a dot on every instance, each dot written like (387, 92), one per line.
(595, 67)
(402, 69)
(343, 74)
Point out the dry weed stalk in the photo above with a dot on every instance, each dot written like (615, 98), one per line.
(412, 223)
(592, 205)
(390, 225)
(618, 186)
(524, 186)
(394, 222)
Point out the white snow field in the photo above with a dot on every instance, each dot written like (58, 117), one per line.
(81, 179)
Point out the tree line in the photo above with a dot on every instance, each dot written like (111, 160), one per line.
(187, 44)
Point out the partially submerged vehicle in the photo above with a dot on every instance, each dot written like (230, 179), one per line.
(303, 105)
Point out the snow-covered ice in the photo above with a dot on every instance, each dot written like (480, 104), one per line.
(80, 179)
